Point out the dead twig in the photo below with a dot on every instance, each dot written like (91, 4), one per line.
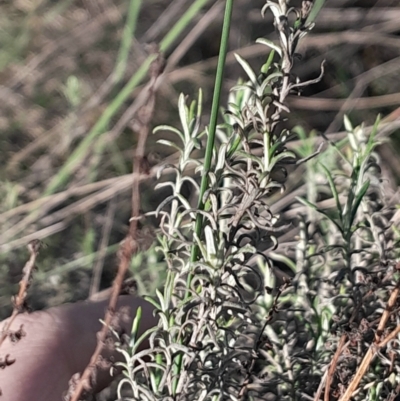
(377, 344)
(129, 245)
(357, 103)
(332, 367)
(19, 300)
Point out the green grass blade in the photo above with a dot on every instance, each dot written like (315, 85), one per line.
(208, 156)
(318, 4)
(127, 36)
(213, 121)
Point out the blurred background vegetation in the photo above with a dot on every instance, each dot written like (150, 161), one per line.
(71, 79)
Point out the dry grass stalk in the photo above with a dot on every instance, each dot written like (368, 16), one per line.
(378, 344)
(129, 246)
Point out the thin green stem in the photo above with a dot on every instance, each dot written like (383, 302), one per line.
(209, 153)
(213, 123)
(315, 11)
(127, 37)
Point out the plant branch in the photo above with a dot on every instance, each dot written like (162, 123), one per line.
(24, 284)
(129, 246)
(377, 344)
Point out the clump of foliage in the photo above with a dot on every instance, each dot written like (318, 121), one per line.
(207, 343)
(345, 274)
(226, 330)
(230, 327)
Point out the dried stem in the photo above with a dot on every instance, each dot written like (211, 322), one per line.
(377, 344)
(129, 246)
(332, 367)
(19, 300)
